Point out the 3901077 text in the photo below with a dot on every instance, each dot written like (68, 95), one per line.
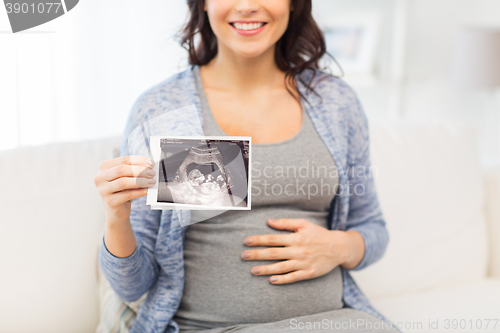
(24, 8)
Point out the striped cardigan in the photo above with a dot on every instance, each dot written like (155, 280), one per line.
(173, 107)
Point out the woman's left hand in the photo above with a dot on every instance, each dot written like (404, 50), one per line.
(311, 251)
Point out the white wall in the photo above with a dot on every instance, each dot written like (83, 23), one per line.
(429, 93)
(77, 77)
(432, 24)
(119, 57)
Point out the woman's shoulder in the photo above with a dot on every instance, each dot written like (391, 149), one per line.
(333, 96)
(329, 88)
(173, 93)
(175, 89)
(331, 91)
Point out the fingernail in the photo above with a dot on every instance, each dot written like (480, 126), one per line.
(150, 163)
(150, 172)
(245, 255)
(274, 279)
(256, 270)
(272, 220)
(151, 181)
(247, 241)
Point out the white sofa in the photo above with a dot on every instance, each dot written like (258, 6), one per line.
(442, 210)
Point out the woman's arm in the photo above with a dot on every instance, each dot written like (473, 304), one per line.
(119, 238)
(131, 277)
(126, 256)
(365, 215)
(120, 181)
(355, 249)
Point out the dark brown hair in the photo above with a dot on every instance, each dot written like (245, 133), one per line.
(299, 49)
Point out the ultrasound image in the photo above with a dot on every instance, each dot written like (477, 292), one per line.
(204, 172)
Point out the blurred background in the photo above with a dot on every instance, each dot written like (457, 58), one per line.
(76, 78)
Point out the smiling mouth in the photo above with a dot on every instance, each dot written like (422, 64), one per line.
(248, 26)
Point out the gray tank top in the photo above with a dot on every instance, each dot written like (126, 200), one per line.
(295, 178)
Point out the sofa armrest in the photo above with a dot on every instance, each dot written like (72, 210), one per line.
(492, 203)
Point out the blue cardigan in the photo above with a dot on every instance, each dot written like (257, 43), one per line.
(173, 107)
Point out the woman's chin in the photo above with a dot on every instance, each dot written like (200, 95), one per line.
(249, 51)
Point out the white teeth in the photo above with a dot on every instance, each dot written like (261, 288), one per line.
(247, 26)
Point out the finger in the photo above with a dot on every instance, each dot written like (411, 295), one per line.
(119, 198)
(125, 170)
(127, 183)
(291, 277)
(277, 268)
(127, 160)
(268, 240)
(273, 253)
(288, 224)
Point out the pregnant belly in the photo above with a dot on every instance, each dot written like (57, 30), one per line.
(219, 288)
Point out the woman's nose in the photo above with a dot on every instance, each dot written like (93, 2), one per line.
(247, 7)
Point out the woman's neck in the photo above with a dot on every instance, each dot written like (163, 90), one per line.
(228, 71)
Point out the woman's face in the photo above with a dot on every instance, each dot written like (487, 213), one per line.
(248, 28)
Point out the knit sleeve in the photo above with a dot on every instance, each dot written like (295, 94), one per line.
(365, 215)
(133, 276)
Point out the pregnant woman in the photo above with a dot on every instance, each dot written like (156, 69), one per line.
(284, 265)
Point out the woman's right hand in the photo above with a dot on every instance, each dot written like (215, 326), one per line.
(121, 180)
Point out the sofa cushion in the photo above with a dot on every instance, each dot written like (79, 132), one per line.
(51, 222)
(429, 182)
(472, 303)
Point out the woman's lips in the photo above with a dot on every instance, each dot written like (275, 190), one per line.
(248, 28)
